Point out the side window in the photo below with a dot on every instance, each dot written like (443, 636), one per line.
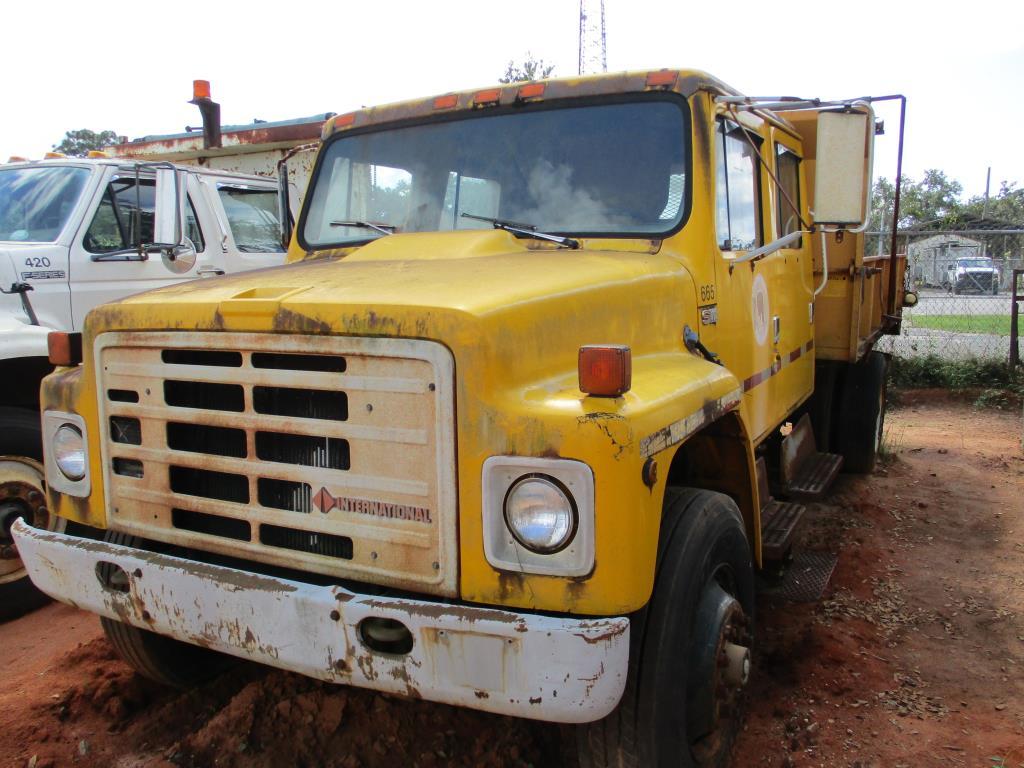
(115, 226)
(787, 171)
(737, 191)
(192, 229)
(252, 217)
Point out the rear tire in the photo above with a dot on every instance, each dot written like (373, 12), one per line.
(676, 709)
(862, 414)
(21, 440)
(162, 659)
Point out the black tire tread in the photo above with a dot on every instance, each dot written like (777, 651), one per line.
(863, 390)
(164, 660)
(614, 741)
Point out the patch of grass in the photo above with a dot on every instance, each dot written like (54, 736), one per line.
(998, 325)
(999, 386)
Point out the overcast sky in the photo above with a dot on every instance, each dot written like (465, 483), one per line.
(130, 68)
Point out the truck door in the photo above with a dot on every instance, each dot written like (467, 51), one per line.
(762, 307)
(122, 215)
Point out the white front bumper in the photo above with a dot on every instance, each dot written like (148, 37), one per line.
(558, 669)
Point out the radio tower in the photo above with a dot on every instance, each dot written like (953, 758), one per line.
(593, 51)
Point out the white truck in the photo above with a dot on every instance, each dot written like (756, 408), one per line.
(76, 233)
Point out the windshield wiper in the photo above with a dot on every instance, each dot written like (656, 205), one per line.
(525, 230)
(384, 229)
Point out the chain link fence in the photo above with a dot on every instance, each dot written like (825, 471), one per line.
(963, 280)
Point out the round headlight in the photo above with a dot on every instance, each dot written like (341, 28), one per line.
(540, 513)
(69, 451)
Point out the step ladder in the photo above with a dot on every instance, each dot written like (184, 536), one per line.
(780, 521)
(804, 471)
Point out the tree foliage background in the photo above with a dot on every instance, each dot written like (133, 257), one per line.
(935, 202)
(530, 69)
(79, 143)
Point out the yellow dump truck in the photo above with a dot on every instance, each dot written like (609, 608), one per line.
(536, 397)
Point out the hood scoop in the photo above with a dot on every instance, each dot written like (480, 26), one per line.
(256, 306)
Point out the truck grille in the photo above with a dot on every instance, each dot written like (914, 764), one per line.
(333, 455)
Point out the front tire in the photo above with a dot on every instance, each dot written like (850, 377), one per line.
(22, 494)
(681, 706)
(162, 659)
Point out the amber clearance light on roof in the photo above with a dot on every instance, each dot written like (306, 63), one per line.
(605, 370)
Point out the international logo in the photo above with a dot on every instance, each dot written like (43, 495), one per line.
(325, 501)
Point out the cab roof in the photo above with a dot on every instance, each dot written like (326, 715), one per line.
(685, 82)
(89, 162)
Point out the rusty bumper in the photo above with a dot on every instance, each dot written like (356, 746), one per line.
(542, 667)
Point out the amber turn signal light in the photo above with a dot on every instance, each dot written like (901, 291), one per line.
(64, 348)
(605, 370)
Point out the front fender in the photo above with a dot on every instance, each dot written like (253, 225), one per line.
(673, 395)
(20, 339)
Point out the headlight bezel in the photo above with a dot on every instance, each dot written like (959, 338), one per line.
(503, 551)
(56, 479)
(573, 513)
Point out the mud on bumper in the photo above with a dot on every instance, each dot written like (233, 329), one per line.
(549, 668)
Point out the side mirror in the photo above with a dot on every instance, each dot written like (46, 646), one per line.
(169, 209)
(840, 182)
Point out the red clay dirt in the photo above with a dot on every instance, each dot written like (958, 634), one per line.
(914, 657)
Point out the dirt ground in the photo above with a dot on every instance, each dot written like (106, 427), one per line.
(914, 656)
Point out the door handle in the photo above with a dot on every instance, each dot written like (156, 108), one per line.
(209, 271)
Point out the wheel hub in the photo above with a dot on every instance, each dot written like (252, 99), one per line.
(20, 498)
(719, 663)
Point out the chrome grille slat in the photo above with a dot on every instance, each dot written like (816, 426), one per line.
(256, 514)
(390, 441)
(269, 377)
(273, 423)
(256, 468)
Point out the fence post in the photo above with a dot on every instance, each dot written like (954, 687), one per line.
(1015, 299)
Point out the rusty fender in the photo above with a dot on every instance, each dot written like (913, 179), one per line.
(542, 667)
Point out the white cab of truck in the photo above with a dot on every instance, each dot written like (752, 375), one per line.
(76, 233)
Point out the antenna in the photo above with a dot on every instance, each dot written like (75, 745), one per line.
(593, 47)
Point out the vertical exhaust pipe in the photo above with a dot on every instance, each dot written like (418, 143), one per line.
(210, 110)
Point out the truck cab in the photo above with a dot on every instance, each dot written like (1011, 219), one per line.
(72, 236)
(972, 274)
(549, 371)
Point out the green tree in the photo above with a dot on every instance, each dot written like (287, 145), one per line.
(936, 198)
(530, 69)
(78, 143)
(1007, 206)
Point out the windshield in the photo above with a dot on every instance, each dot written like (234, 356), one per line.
(35, 203)
(616, 168)
(974, 263)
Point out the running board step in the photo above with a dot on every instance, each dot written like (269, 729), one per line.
(780, 521)
(806, 472)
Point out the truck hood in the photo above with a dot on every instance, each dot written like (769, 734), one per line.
(477, 292)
